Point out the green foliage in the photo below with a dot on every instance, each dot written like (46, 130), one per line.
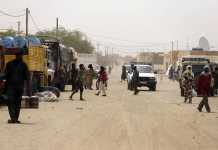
(75, 39)
(9, 32)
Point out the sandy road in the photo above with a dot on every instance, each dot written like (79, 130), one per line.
(121, 121)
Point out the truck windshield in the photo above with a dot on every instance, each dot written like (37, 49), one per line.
(196, 69)
(144, 69)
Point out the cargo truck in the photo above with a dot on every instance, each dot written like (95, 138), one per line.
(36, 60)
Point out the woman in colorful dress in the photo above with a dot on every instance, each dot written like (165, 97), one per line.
(90, 74)
(187, 82)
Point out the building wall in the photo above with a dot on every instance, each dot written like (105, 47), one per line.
(157, 59)
(86, 59)
(151, 57)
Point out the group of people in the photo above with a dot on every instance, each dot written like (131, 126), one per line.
(62, 77)
(173, 74)
(205, 84)
(82, 78)
(18, 78)
(17, 75)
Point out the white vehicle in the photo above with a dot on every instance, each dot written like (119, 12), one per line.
(146, 77)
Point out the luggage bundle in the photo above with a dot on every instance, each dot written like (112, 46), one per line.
(30, 102)
(12, 45)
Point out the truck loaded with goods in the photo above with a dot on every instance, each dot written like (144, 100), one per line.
(43, 59)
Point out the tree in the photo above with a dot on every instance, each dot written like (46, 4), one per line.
(75, 39)
(9, 32)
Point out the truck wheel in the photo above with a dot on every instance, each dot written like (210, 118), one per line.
(153, 88)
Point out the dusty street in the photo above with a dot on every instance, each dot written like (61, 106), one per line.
(121, 121)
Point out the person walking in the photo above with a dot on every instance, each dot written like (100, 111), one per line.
(73, 76)
(79, 82)
(16, 73)
(135, 80)
(102, 77)
(204, 88)
(131, 84)
(59, 78)
(109, 69)
(215, 77)
(171, 71)
(187, 83)
(123, 74)
(90, 74)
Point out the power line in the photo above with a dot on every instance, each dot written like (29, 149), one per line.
(138, 44)
(10, 15)
(128, 47)
(34, 23)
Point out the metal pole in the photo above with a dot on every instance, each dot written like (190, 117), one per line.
(58, 50)
(27, 21)
(57, 26)
(172, 52)
(98, 45)
(18, 27)
(177, 45)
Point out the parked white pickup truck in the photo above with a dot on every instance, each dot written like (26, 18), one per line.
(146, 77)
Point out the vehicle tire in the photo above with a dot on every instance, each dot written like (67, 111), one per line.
(152, 88)
(212, 93)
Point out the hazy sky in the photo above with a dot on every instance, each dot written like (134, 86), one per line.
(127, 24)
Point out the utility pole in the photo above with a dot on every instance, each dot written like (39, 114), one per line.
(98, 45)
(112, 55)
(18, 27)
(57, 26)
(107, 51)
(27, 21)
(187, 44)
(177, 45)
(58, 48)
(172, 52)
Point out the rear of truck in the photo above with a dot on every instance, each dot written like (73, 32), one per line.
(37, 63)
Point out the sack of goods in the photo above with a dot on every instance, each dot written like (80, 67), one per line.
(194, 93)
(12, 45)
(30, 102)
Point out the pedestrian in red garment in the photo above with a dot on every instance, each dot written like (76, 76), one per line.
(102, 77)
(204, 88)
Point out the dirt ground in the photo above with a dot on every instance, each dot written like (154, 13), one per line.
(121, 121)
